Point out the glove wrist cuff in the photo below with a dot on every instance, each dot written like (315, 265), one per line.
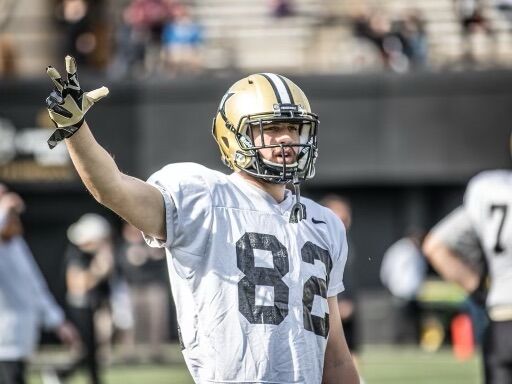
(62, 133)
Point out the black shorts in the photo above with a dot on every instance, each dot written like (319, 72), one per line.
(497, 351)
(12, 372)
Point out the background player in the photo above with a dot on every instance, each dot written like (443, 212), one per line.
(26, 304)
(484, 222)
(254, 281)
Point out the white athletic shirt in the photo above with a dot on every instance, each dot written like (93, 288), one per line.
(250, 288)
(456, 231)
(488, 203)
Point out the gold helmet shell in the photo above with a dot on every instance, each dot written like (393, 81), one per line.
(259, 99)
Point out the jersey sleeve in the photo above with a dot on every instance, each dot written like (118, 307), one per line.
(339, 260)
(456, 231)
(51, 314)
(188, 207)
(475, 198)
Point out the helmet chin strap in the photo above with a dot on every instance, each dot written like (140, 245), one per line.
(298, 212)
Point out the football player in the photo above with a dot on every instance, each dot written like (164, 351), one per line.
(254, 269)
(482, 226)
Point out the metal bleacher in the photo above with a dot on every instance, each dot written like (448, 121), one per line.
(242, 34)
(318, 38)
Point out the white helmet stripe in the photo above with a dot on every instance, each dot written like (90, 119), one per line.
(279, 85)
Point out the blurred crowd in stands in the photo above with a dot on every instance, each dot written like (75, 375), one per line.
(150, 36)
(164, 37)
(401, 42)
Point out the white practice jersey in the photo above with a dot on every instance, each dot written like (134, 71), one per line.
(488, 203)
(250, 288)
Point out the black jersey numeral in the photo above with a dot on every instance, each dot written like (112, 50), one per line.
(273, 277)
(502, 209)
(315, 286)
(260, 314)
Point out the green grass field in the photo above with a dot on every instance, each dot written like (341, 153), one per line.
(379, 365)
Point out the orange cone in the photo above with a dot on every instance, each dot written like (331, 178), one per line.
(463, 342)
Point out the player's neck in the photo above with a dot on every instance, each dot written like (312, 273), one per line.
(277, 191)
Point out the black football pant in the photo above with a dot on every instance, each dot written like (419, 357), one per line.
(497, 351)
(12, 372)
(83, 318)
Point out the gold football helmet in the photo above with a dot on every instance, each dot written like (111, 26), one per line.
(259, 99)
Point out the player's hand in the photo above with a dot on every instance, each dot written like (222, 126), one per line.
(68, 103)
(11, 201)
(68, 334)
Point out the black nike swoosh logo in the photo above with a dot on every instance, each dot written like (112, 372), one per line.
(317, 221)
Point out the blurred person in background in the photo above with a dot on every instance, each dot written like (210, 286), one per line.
(386, 34)
(472, 21)
(139, 37)
(371, 26)
(281, 8)
(145, 271)
(347, 300)
(484, 222)
(400, 39)
(8, 51)
(84, 31)
(89, 265)
(8, 57)
(25, 301)
(505, 6)
(410, 29)
(403, 272)
(75, 19)
(454, 251)
(182, 38)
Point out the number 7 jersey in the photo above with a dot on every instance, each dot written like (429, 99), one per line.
(250, 288)
(488, 202)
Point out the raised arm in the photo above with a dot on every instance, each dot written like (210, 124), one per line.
(136, 201)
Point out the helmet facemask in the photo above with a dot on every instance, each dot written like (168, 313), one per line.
(250, 159)
(253, 104)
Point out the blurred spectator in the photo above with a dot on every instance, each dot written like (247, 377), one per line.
(145, 270)
(401, 41)
(373, 28)
(505, 6)
(25, 301)
(453, 249)
(181, 43)
(347, 300)
(89, 267)
(376, 27)
(130, 49)
(138, 38)
(472, 20)
(402, 272)
(79, 41)
(411, 30)
(8, 62)
(281, 8)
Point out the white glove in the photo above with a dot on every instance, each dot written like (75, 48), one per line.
(68, 103)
